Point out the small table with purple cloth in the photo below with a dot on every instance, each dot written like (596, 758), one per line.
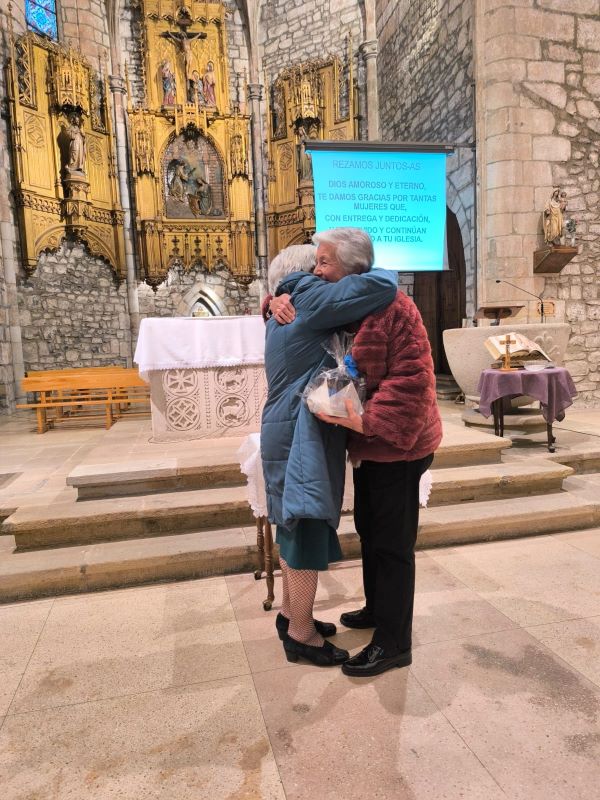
(553, 387)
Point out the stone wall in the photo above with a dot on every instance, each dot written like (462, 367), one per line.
(6, 359)
(84, 23)
(290, 33)
(542, 126)
(237, 52)
(72, 313)
(425, 72)
(177, 295)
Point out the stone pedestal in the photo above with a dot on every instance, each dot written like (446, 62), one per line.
(467, 355)
(206, 403)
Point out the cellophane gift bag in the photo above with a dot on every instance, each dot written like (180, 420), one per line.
(328, 391)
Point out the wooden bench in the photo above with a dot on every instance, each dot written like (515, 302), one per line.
(73, 392)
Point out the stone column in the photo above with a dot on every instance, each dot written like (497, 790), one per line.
(369, 53)
(8, 244)
(8, 260)
(117, 87)
(258, 171)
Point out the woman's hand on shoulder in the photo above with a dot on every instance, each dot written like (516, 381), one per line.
(283, 309)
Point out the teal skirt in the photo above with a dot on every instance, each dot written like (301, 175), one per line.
(313, 544)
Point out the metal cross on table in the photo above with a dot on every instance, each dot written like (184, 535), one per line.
(507, 341)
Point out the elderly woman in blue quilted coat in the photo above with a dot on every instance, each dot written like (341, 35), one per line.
(303, 458)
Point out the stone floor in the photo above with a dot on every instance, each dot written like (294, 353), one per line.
(182, 690)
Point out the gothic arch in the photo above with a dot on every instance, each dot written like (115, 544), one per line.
(201, 292)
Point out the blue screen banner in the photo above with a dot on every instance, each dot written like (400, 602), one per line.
(398, 197)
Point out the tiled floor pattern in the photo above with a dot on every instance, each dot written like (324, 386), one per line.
(182, 690)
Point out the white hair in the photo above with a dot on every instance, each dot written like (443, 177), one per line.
(295, 258)
(353, 248)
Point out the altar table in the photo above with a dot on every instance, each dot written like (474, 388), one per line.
(553, 387)
(206, 375)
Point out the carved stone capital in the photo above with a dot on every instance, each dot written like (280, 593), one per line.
(255, 91)
(369, 49)
(117, 84)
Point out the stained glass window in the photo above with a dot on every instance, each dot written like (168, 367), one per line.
(41, 17)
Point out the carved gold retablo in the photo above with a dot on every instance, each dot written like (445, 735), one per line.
(63, 152)
(190, 144)
(307, 101)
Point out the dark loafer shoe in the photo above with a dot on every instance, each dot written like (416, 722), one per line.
(358, 619)
(326, 656)
(326, 629)
(373, 660)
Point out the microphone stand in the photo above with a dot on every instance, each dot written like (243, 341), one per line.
(537, 297)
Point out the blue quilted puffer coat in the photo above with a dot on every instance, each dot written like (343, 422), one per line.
(303, 458)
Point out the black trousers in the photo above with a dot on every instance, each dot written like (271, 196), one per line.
(386, 515)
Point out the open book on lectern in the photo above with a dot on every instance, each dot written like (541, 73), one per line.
(521, 348)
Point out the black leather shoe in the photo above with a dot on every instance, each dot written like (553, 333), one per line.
(326, 656)
(282, 624)
(358, 619)
(373, 660)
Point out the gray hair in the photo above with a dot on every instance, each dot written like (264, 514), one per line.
(353, 248)
(295, 258)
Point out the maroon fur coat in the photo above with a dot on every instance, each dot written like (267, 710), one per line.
(401, 418)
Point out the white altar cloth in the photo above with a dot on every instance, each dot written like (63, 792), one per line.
(197, 343)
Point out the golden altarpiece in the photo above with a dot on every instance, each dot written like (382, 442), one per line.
(309, 101)
(189, 146)
(63, 151)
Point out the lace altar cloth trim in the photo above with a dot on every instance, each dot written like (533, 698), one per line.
(190, 343)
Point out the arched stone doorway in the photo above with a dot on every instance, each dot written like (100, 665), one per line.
(441, 296)
(200, 301)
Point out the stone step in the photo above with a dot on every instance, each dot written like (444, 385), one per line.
(582, 461)
(201, 554)
(149, 477)
(128, 517)
(527, 420)
(495, 481)
(216, 465)
(177, 512)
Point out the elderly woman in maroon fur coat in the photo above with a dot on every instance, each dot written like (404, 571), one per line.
(391, 445)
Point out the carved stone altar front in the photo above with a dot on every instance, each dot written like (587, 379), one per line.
(206, 403)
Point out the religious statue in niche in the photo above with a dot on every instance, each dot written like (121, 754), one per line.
(193, 179)
(553, 216)
(198, 85)
(278, 111)
(169, 86)
(239, 164)
(304, 160)
(210, 82)
(72, 146)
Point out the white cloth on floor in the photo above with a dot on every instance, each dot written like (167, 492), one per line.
(195, 343)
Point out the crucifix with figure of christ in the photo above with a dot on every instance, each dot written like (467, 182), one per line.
(184, 39)
(506, 367)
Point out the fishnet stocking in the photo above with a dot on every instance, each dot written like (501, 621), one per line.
(301, 588)
(285, 597)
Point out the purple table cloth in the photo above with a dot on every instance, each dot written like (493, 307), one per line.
(553, 387)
